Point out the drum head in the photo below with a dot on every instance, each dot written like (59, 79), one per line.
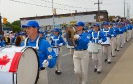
(28, 67)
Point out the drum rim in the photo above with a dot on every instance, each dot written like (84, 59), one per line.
(37, 77)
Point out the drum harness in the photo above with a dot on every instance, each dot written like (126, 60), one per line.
(37, 42)
(106, 32)
(94, 37)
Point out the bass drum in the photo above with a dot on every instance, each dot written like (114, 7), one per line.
(21, 66)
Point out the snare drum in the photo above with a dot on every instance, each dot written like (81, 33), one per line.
(107, 42)
(93, 48)
(18, 65)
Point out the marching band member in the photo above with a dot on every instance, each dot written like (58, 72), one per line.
(112, 39)
(2, 42)
(117, 32)
(107, 43)
(86, 29)
(45, 34)
(57, 42)
(97, 37)
(130, 30)
(90, 30)
(51, 34)
(41, 35)
(121, 29)
(69, 38)
(80, 57)
(44, 49)
(89, 33)
(124, 34)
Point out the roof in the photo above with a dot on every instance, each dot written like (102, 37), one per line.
(65, 15)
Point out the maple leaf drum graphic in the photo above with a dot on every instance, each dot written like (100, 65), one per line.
(4, 60)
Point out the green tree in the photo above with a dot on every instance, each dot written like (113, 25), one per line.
(16, 26)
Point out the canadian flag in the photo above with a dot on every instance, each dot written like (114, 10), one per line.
(9, 61)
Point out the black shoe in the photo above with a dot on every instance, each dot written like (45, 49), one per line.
(113, 56)
(98, 72)
(117, 50)
(95, 70)
(105, 60)
(57, 72)
(109, 62)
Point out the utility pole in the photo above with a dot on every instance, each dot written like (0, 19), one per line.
(129, 11)
(53, 13)
(0, 24)
(98, 9)
(124, 8)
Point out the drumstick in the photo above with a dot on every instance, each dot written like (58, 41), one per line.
(49, 57)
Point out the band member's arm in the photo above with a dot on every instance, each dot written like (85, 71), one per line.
(83, 40)
(62, 41)
(113, 34)
(102, 37)
(49, 51)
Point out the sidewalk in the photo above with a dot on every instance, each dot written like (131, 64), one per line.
(122, 72)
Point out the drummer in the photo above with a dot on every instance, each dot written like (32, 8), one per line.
(44, 50)
(107, 44)
(80, 57)
(97, 37)
(57, 43)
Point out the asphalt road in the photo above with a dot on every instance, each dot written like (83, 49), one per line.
(68, 76)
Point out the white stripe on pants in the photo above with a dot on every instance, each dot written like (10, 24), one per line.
(97, 58)
(117, 42)
(81, 62)
(107, 52)
(113, 46)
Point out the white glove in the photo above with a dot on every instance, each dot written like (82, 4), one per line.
(76, 36)
(99, 41)
(45, 63)
(112, 35)
(60, 44)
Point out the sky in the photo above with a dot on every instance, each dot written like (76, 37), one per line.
(16, 9)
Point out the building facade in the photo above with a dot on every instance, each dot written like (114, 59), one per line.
(46, 22)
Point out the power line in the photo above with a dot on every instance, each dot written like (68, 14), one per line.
(40, 5)
(67, 5)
